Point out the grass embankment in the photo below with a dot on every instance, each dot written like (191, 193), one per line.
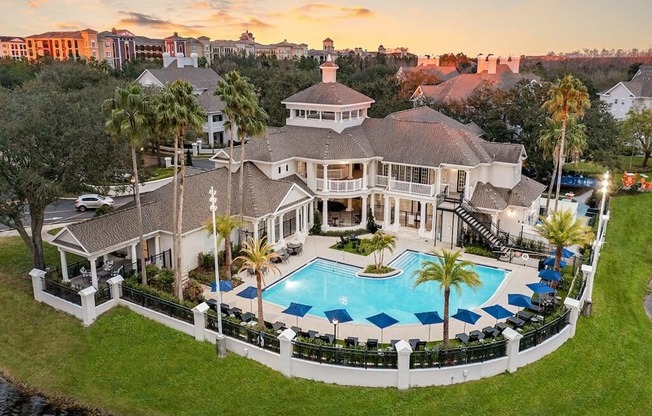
(130, 365)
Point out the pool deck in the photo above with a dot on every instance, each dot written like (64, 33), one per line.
(320, 247)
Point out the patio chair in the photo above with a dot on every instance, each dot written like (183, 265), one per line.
(524, 315)
(327, 338)
(517, 322)
(414, 343)
(500, 327)
(247, 317)
(490, 332)
(351, 342)
(278, 326)
(372, 344)
(296, 330)
(464, 338)
(476, 335)
(224, 308)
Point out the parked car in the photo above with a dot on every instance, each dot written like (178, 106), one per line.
(92, 201)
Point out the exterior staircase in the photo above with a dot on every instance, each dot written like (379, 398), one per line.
(497, 245)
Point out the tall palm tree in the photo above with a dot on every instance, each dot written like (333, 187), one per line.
(566, 97)
(549, 142)
(564, 229)
(449, 271)
(127, 121)
(377, 245)
(224, 226)
(257, 256)
(179, 112)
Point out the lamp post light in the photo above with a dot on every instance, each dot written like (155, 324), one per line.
(335, 322)
(220, 340)
(597, 247)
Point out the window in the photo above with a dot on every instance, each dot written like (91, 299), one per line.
(217, 118)
(108, 54)
(69, 44)
(92, 44)
(279, 170)
(287, 168)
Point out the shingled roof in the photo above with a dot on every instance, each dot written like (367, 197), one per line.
(522, 194)
(262, 197)
(427, 114)
(443, 73)
(203, 80)
(641, 83)
(328, 93)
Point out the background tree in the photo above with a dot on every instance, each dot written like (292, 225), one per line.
(127, 122)
(258, 256)
(179, 113)
(637, 130)
(563, 229)
(566, 97)
(52, 144)
(377, 244)
(224, 226)
(450, 272)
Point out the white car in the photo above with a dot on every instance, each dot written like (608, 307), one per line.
(92, 201)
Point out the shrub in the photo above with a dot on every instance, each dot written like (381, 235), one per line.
(163, 280)
(133, 283)
(372, 227)
(316, 225)
(479, 251)
(202, 276)
(345, 233)
(206, 261)
(193, 292)
(377, 270)
(103, 210)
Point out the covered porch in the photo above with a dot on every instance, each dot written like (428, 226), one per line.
(343, 213)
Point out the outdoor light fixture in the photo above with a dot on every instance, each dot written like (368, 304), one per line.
(335, 322)
(213, 208)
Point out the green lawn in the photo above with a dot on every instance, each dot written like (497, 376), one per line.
(160, 173)
(348, 247)
(594, 169)
(130, 365)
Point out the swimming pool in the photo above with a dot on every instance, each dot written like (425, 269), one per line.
(327, 285)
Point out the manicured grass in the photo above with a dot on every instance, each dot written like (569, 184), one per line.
(348, 247)
(54, 231)
(130, 365)
(160, 173)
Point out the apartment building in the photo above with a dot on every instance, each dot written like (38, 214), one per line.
(79, 44)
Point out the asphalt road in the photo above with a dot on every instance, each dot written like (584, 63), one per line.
(64, 212)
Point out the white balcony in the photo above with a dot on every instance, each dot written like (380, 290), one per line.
(412, 188)
(350, 185)
(381, 180)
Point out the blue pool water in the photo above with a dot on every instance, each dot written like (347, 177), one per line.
(326, 285)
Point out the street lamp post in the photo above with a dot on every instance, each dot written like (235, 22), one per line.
(335, 322)
(220, 340)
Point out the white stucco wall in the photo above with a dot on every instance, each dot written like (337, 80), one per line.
(619, 100)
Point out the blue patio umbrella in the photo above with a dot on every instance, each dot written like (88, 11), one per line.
(550, 261)
(517, 299)
(250, 293)
(429, 318)
(540, 288)
(498, 311)
(297, 309)
(550, 275)
(338, 315)
(466, 316)
(225, 286)
(565, 253)
(382, 321)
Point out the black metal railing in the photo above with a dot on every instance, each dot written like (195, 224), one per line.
(327, 354)
(155, 303)
(102, 295)
(162, 260)
(61, 291)
(74, 269)
(438, 358)
(245, 333)
(537, 336)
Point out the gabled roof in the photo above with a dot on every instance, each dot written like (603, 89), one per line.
(442, 73)
(462, 86)
(11, 39)
(263, 196)
(328, 93)
(522, 194)
(427, 114)
(641, 84)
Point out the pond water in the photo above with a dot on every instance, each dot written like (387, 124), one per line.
(15, 402)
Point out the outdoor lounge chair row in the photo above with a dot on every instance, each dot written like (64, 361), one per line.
(486, 333)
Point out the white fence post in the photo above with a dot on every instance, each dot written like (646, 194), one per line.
(574, 306)
(285, 341)
(199, 312)
(89, 314)
(513, 346)
(116, 287)
(37, 283)
(404, 351)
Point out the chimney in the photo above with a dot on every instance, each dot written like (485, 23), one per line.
(492, 61)
(437, 60)
(516, 63)
(195, 60)
(167, 59)
(482, 63)
(180, 63)
(329, 70)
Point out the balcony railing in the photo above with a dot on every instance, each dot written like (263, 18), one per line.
(412, 188)
(382, 180)
(334, 173)
(350, 185)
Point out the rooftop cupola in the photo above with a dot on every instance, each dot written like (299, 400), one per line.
(329, 70)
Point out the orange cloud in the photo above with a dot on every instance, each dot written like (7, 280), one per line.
(317, 11)
(144, 20)
(35, 4)
(69, 25)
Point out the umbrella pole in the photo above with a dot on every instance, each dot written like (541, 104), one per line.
(251, 305)
(429, 332)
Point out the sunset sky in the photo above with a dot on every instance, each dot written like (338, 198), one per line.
(424, 26)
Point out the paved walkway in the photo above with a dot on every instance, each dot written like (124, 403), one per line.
(319, 247)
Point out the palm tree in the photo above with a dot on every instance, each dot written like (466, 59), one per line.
(377, 245)
(564, 229)
(224, 226)
(257, 256)
(550, 140)
(179, 112)
(566, 97)
(449, 271)
(127, 121)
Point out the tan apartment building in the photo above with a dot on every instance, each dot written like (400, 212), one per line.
(79, 44)
(12, 47)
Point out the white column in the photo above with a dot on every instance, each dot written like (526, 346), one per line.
(272, 230)
(513, 346)
(157, 244)
(403, 350)
(372, 203)
(349, 204)
(350, 175)
(325, 165)
(93, 272)
(467, 185)
(324, 220)
(285, 343)
(297, 218)
(363, 217)
(434, 221)
(281, 239)
(199, 315)
(37, 283)
(397, 208)
(386, 212)
(365, 174)
(574, 306)
(422, 222)
(89, 313)
(116, 288)
(306, 209)
(134, 254)
(64, 266)
(256, 230)
(311, 213)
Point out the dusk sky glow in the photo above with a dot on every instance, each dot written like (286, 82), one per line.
(424, 26)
